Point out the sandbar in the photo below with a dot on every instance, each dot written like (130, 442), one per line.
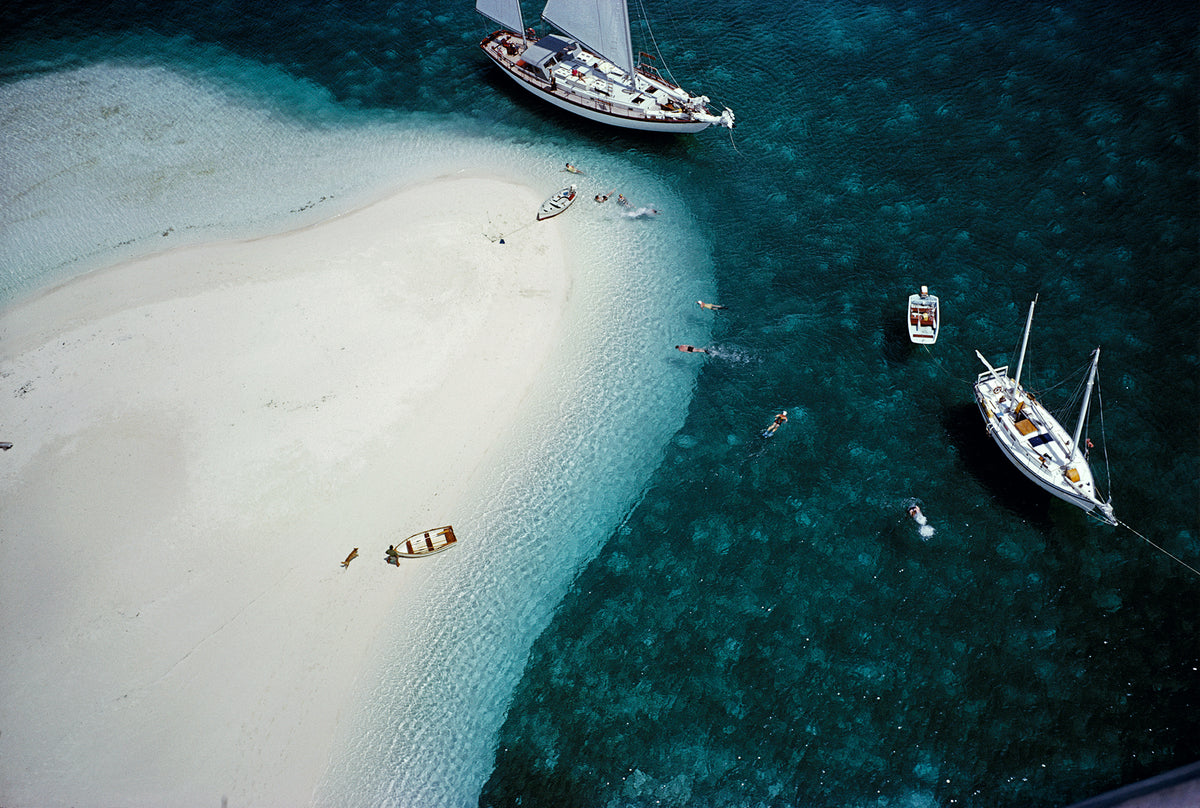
(200, 438)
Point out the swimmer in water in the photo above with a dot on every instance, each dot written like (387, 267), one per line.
(780, 419)
(710, 306)
(690, 349)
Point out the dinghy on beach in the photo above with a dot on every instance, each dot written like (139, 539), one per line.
(557, 203)
(1031, 438)
(428, 542)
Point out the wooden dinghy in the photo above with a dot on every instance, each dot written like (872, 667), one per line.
(428, 542)
(557, 203)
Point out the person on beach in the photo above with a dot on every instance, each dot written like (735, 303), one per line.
(690, 349)
(710, 306)
(780, 419)
(604, 197)
(353, 555)
(393, 555)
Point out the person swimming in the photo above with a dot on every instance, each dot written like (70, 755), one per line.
(604, 197)
(924, 528)
(779, 421)
(690, 349)
(710, 306)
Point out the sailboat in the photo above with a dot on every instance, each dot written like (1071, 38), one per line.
(590, 71)
(1033, 440)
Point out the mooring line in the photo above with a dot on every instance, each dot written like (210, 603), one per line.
(1160, 549)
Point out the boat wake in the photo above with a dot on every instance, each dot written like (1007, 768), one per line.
(734, 355)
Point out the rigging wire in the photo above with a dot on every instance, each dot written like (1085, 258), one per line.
(645, 21)
(657, 50)
(1103, 436)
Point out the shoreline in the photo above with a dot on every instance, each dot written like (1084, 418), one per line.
(200, 437)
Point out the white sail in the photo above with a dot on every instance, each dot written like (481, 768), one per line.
(505, 12)
(602, 26)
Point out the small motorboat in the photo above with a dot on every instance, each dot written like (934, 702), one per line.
(427, 542)
(557, 203)
(924, 317)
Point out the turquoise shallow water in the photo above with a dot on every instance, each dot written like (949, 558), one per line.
(762, 624)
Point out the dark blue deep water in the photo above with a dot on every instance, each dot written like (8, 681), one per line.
(766, 626)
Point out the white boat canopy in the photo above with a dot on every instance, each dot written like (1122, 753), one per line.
(601, 26)
(505, 12)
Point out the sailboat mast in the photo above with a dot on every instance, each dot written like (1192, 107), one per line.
(1025, 340)
(1087, 398)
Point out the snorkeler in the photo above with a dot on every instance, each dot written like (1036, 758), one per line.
(779, 421)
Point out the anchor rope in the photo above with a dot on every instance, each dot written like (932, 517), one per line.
(1195, 571)
(496, 238)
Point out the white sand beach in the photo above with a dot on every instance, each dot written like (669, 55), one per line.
(199, 439)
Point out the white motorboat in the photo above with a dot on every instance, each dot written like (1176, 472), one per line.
(1031, 438)
(590, 71)
(924, 317)
(557, 203)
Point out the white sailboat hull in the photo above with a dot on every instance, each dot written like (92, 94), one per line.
(1034, 442)
(591, 87)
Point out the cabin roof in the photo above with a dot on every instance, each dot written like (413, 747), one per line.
(541, 51)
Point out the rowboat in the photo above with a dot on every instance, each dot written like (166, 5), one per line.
(557, 203)
(924, 317)
(427, 542)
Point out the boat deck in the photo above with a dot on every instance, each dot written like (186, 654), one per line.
(586, 80)
(923, 321)
(1032, 438)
